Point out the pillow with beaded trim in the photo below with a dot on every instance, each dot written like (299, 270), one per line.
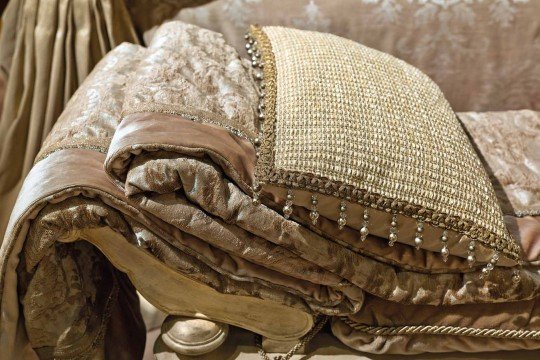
(362, 138)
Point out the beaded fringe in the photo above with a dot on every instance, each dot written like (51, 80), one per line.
(257, 63)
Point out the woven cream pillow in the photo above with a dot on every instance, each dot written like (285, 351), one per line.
(355, 135)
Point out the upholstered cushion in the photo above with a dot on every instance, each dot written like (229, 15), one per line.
(360, 137)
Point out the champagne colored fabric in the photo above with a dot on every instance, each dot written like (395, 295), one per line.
(11, 323)
(509, 142)
(155, 175)
(47, 48)
(483, 54)
(68, 191)
(179, 200)
(206, 81)
(2, 89)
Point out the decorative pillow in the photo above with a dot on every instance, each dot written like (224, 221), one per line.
(358, 136)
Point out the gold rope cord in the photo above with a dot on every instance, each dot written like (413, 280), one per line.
(442, 330)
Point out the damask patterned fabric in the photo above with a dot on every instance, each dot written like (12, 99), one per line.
(484, 55)
(169, 181)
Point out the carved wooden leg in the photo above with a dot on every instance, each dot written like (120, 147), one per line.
(188, 336)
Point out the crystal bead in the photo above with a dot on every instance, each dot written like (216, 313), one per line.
(445, 252)
(471, 259)
(364, 231)
(287, 211)
(341, 222)
(314, 216)
(418, 242)
(393, 238)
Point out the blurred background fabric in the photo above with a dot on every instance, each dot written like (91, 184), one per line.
(485, 55)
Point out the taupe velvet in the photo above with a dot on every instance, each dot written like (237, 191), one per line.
(67, 190)
(154, 178)
(156, 170)
(521, 315)
(150, 166)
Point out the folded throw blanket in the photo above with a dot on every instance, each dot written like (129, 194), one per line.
(159, 146)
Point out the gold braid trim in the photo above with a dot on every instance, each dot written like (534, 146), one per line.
(97, 144)
(190, 113)
(442, 330)
(266, 157)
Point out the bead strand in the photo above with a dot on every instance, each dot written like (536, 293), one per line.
(342, 220)
(364, 231)
(444, 251)
(314, 214)
(471, 257)
(287, 209)
(418, 240)
(392, 237)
